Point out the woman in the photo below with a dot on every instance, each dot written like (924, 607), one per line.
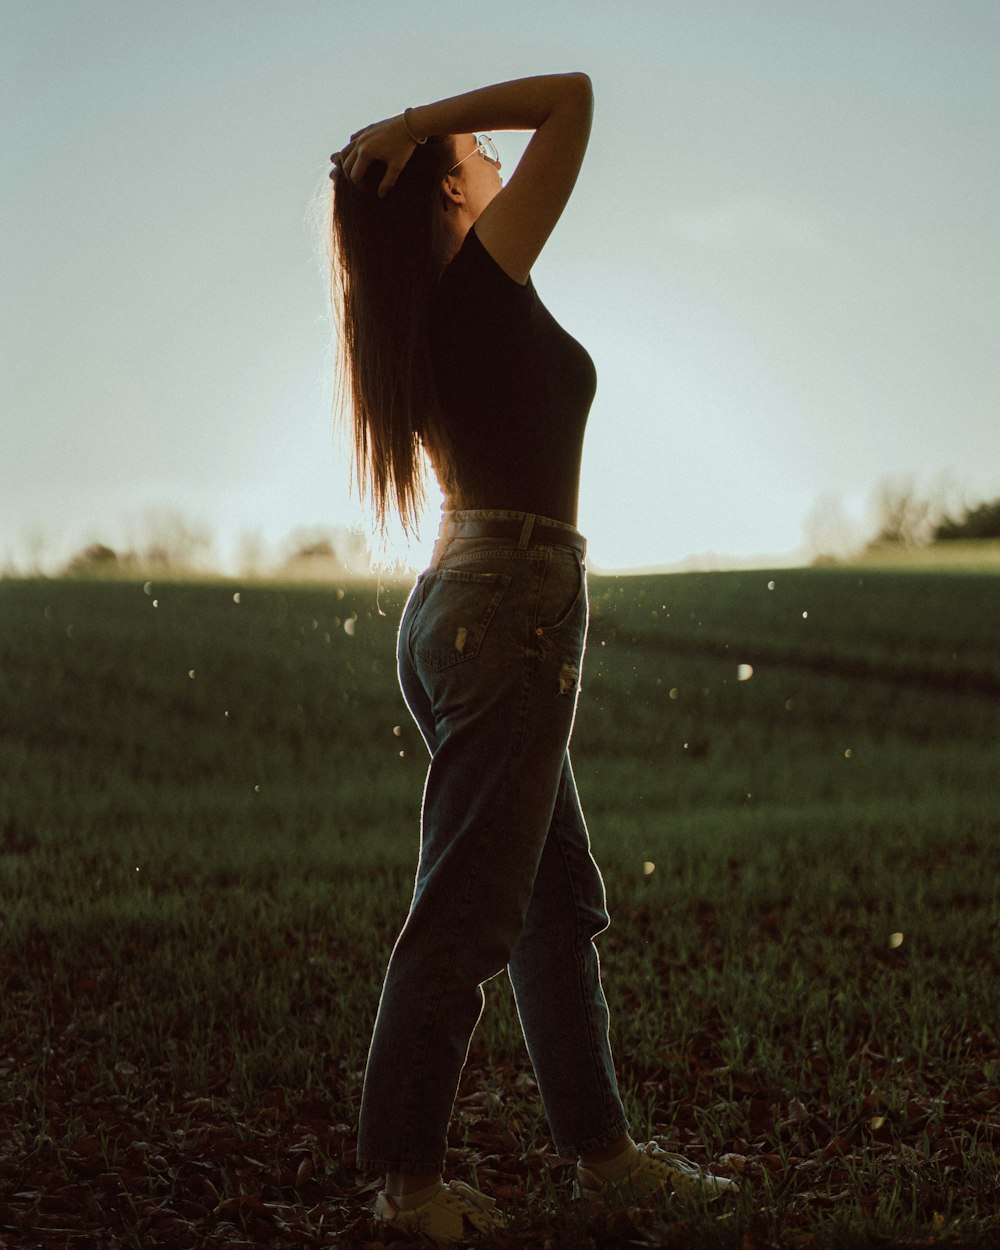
(446, 349)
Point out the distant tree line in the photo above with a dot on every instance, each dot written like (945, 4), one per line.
(901, 517)
(982, 521)
(910, 519)
(171, 545)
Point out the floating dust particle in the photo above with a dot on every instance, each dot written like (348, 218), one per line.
(397, 730)
(648, 867)
(236, 597)
(744, 672)
(895, 941)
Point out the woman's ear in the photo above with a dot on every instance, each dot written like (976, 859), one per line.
(452, 195)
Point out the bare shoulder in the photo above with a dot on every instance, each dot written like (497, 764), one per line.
(516, 224)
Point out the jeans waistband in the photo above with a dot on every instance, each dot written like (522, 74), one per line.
(523, 529)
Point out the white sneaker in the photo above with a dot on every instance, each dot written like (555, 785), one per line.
(653, 1171)
(447, 1215)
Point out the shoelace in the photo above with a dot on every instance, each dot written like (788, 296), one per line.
(479, 1203)
(684, 1167)
(655, 1151)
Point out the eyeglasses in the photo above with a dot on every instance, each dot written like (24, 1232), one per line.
(485, 147)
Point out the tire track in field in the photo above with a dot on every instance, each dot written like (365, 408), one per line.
(965, 682)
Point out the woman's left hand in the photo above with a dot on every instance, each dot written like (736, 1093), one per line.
(386, 141)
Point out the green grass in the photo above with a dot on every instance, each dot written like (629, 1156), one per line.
(202, 876)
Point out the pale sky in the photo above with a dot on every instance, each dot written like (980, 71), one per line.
(783, 254)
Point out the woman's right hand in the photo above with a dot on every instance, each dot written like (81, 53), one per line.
(386, 141)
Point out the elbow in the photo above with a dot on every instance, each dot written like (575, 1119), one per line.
(580, 90)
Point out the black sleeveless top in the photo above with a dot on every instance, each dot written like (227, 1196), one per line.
(514, 388)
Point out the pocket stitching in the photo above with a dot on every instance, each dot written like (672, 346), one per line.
(571, 611)
(439, 661)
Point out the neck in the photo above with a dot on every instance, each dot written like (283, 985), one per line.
(456, 226)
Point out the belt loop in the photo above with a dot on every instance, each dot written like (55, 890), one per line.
(526, 529)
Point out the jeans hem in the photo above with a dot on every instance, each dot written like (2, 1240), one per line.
(397, 1165)
(591, 1143)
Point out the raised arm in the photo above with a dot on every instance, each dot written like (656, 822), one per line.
(515, 225)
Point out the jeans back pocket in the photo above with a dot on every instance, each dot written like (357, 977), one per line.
(454, 615)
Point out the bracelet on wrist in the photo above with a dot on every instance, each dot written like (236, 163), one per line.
(408, 129)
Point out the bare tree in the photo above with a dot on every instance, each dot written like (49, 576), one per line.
(907, 518)
(170, 542)
(902, 517)
(831, 534)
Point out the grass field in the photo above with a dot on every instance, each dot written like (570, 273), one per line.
(208, 822)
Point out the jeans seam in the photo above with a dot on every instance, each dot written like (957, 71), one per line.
(610, 1109)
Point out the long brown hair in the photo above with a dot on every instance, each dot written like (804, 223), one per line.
(386, 255)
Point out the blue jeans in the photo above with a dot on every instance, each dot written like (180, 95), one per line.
(489, 651)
